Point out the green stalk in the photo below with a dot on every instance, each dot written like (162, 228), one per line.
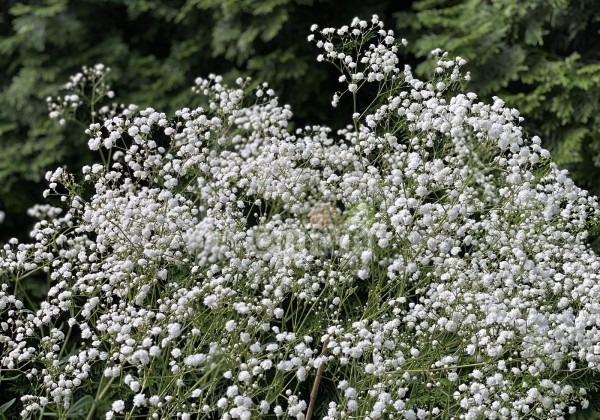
(99, 396)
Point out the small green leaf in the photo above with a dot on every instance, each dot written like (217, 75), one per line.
(7, 405)
(83, 404)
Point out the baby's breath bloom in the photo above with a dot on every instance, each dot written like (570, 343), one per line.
(219, 263)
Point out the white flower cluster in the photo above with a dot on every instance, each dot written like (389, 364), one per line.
(427, 261)
(87, 87)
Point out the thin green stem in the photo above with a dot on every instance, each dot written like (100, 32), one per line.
(99, 396)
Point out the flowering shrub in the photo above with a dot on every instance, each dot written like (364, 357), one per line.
(427, 261)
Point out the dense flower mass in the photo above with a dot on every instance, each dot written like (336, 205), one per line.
(428, 261)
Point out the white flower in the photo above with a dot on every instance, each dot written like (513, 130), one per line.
(118, 406)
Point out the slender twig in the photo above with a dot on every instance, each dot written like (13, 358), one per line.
(315, 388)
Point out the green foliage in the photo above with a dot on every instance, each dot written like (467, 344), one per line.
(155, 48)
(542, 57)
(4, 407)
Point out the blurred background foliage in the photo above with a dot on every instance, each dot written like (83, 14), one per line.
(541, 56)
